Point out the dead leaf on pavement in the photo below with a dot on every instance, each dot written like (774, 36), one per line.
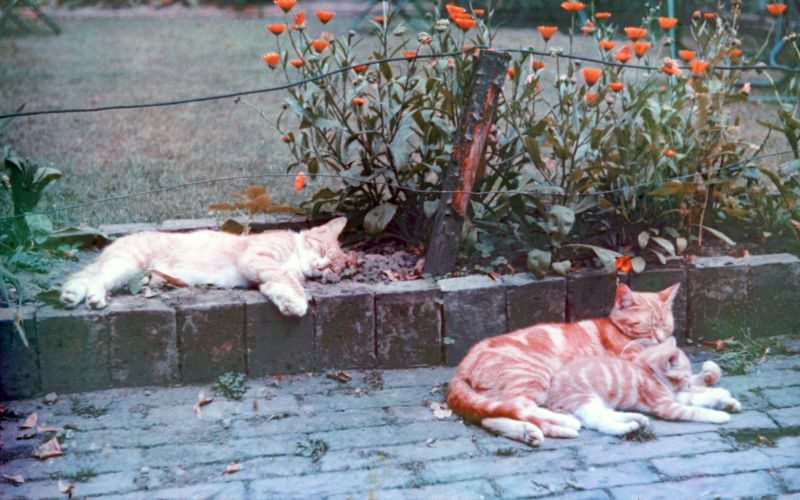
(440, 410)
(30, 421)
(202, 400)
(15, 479)
(42, 429)
(66, 488)
(429, 442)
(47, 450)
(340, 376)
(233, 468)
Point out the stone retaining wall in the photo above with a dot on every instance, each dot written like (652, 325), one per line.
(194, 335)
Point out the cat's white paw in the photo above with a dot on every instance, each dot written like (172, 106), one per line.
(294, 307)
(730, 405)
(716, 417)
(73, 292)
(96, 298)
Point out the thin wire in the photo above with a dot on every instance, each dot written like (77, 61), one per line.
(322, 76)
(539, 190)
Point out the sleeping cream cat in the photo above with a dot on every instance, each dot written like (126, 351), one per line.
(277, 262)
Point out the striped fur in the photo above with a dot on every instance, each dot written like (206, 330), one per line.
(503, 382)
(275, 261)
(592, 388)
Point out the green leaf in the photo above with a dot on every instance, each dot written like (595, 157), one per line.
(665, 244)
(719, 234)
(638, 264)
(539, 262)
(40, 227)
(643, 239)
(562, 267)
(376, 220)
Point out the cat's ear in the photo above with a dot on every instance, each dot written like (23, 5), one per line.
(624, 296)
(668, 295)
(336, 226)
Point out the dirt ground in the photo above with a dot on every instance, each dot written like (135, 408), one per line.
(141, 55)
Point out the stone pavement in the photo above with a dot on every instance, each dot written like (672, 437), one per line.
(376, 437)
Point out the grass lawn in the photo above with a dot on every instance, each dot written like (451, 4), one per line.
(111, 60)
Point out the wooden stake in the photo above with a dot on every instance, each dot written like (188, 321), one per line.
(469, 146)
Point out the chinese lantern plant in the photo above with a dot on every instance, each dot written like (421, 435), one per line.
(387, 127)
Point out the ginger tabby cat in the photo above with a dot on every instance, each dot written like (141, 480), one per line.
(503, 381)
(275, 261)
(592, 388)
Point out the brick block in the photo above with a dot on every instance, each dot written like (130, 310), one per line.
(774, 294)
(210, 326)
(408, 323)
(655, 280)
(474, 309)
(73, 349)
(530, 301)
(590, 294)
(19, 365)
(718, 299)
(276, 343)
(144, 341)
(344, 329)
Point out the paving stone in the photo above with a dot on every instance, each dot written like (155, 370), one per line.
(751, 459)
(787, 417)
(790, 478)
(744, 420)
(582, 495)
(100, 485)
(351, 400)
(655, 280)
(474, 309)
(590, 294)
(332, 483)
(718, 299)
(423, 452)
(143, 342)
(208, 491)
(533, 483)
(496, 466)
(19, 364)
(222, 451)
(282, 423)
(101, 462)
(760, 379)
(73, 349)
(344, 331)
(276, 343)
(462, 490)
(774, 293)
(530, 300)
(426, 377)
(752, 484)
(184, 225)
(783, 397)
(117, 230)
(210, 325)
(408, 324)
(392, 434)
(590, 478)
(671, 445)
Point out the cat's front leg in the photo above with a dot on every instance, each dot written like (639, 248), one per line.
(710, 373)
(709, 397)
(671, 410)
(286, 292)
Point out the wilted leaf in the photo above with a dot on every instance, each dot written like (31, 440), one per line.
(681, 244)
(448, 341)
(665, 244)
(340, 376)
(66, 488)
(562, 267)
(47, 450)
(202, 400)
(638, 264)
(30, 421)
(644, 238)
(440, 410)
(233, 468)
(720, 235)
(15, 479)
(232, 226)
(379, 217)
(539, 262)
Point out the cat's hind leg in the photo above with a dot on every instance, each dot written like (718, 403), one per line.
(518, 430)
(594, 414)
(93, 283)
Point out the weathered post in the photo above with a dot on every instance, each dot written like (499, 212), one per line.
(469, 145)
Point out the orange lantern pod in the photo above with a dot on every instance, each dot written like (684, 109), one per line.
(588, 27)
(687, 55)
(511, 72)
(478, 12)
(591, 98)
(299, 182)
(776, 9)
(410, 54)
(591, 75)
(735, 52)
(573, 6)
(325, 15)
(709, 16)
(698, 67)
(603, 16)
(286, 138)
(670, 67)
(320, 44)
(276, 28)
(635, 33)
(285, 5)
(454, 10)
(360, 68)
(537, 64)
(359, 101)
(272, 59)
(299, 20)
(669, 153)
(606, 44)
(465, 23)
(616, 86)
(667, 23)
(379, 19)
(624, 263)
(547, 32)
(697, 14)
(297, 63)
(623, 55)
(640, 48)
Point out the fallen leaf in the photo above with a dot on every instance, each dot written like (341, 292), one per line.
(15, 479)
(764, 440)
(202, 400)
(171, 280)
(429, 442)
(30, 421)
(419, 266)
(340, 376)
(493, 275)
(233, 468)
(66, 488)
(48, 449)
(47, 428)
(440, 410)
